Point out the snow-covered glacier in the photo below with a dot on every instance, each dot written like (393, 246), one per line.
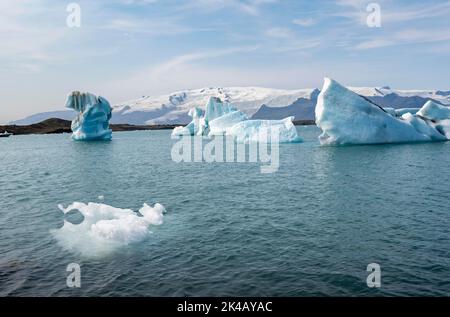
(348, 118)
(222, 118)
(94, 114)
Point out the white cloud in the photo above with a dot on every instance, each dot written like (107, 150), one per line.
(304, 22)
(279, 32)
(251, 7)
(131, 2)
(181, 60)
(407, 37)
(26, 35)
(154, 27)
(414, 13)
(390, 14)
(176, 73)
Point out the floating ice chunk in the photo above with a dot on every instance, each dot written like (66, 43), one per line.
(153, 215)
(180, 131)
(106, 228)
(348, 118)
(265, 131)
(439, 116)
(92, 122)
(433, 111)
(216, 108)
(424, 127)
(223, 118)
(401, 111)
(196, 126)
(219, 125)
(200, 125)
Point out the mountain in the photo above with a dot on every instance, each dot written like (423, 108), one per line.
(39, 117)
(256, 102)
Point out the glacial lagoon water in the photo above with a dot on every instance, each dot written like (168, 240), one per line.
(309, 229)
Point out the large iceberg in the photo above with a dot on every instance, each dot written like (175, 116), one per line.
(222, 118)
(92, 122)
(348, 118)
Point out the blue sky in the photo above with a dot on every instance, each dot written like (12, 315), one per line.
(128, 48)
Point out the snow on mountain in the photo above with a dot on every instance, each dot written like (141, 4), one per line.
(256, 102)
(173, 108)
(440, 96)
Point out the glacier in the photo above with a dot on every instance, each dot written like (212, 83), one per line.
(222, 118)
(105, 228)
(348, 118)
(94, 114)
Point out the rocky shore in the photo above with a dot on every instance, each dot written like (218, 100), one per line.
(54, 126)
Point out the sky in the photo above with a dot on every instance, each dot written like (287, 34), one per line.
(124, 49)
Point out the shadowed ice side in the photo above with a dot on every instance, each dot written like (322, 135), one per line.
(222, 118)
(92, 122)
(348, 118)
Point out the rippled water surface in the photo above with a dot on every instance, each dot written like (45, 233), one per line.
(310, 229)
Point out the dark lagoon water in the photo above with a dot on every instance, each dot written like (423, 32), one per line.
(309, 229)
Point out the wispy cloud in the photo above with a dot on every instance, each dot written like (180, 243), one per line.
(407, 37)
(279, 32)
(304, 22)
(390, 12)
(24, 45)
(138, 2)
(251, 7)
(416, 12)
(184, 59)
(153, 27)
(288, 41)
(179, 72)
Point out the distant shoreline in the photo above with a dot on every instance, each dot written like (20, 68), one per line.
(57, 126)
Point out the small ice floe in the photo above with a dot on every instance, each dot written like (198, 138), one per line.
(106, 228)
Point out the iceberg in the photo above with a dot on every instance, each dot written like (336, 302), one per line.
(220, 125)
(222, 118)
(401, 111)
(438, 115)
(433, 111)
(265, 131)
(348, 118)
(92, 122)
(216, 108)
(193, 127)
(106, 228)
